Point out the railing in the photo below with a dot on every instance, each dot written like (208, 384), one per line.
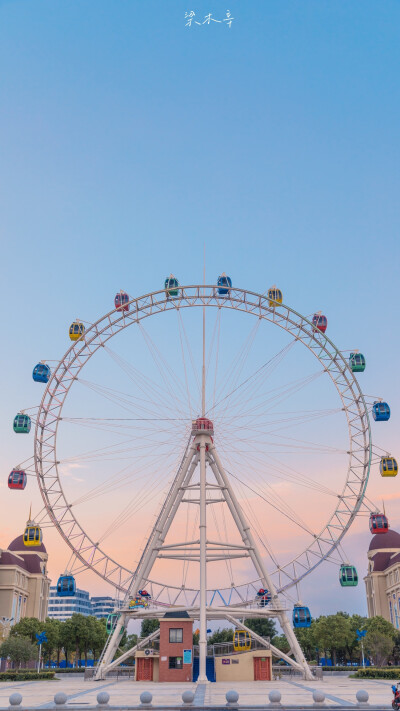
(222, 649)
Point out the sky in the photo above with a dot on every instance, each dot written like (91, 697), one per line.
(130, 142)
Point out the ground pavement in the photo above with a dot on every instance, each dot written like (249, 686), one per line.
(338, 691)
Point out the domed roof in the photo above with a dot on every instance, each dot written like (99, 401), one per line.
(385, 541)
(17, 545)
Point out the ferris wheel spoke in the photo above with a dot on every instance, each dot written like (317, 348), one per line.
(286, 473)
(155, 393)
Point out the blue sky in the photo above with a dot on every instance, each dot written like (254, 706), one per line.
(128, 141)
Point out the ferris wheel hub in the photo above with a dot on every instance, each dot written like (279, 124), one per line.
(202, 426)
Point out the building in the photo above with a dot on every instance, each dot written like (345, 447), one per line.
(103, 606)
(24, 585)
(383, 579)
(61, 608)
(175, 661)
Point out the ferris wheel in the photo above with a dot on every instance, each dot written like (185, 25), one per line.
(134, 440)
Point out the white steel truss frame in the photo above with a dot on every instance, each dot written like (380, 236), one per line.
(60, 512)
(201, 450)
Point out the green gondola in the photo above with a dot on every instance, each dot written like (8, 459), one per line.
(348, 576)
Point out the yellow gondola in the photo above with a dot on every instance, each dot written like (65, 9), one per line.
(274, 296)
(32, 535)
(76, 330)
(241, 641)
(388, 466)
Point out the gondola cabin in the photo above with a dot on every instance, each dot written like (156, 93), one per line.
(66, 586)
(348, 576)
(388, 466)
(41, 373)
(320, 322)
(274, 296)
(32, 535)
(17, 479)
(224, 284)
(241, 641)
(121, 301)
(76, 330)
(22, 423)
(111, 622)
(357, 362)
(380, 411)
(171, 286)
(378, 523)
(301, 616)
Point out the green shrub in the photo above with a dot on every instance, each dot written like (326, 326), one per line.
(390, 673)
(25, 675)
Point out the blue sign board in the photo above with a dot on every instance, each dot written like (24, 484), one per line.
(187, 656)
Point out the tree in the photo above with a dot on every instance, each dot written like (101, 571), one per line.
(333, 633)
(149, 626)
(264, 627)
(67, 638)
(306, 639)
(281, 643)
(99, 637)
(221, 636)
(19, 649)
(379, 646)
(53, 644)
(27, 627)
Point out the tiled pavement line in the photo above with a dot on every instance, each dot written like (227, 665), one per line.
(20, 684)
(200, 694)
(50, 704)
(337, 699)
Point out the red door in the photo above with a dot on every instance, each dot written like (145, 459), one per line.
(144, 669)
(262, 669)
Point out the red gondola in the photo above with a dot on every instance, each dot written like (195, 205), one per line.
(121, 301)
(17, 479)
(378, 523)
(320, 321)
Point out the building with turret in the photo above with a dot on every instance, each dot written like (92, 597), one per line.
(382, 581)
(24, 585)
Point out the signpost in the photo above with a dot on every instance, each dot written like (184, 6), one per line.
(42, 637)
(360, 636)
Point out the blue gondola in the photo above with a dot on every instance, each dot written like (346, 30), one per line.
(66, 586)
(380, 411)
(41, 373)
(301, 616)
(224, 284)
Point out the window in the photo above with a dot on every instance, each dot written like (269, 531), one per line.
(176, 663)
(176, 635)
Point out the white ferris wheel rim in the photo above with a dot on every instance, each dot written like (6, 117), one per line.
(86, 550)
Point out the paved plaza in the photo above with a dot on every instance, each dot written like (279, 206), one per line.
(338, 691)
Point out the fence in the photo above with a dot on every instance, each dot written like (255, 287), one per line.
(188, 700)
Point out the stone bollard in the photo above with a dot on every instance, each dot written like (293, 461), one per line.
(275, 697)
(102, 698)
(60, 698)
(232, 698)
(15, 700)
(319, 698)
(362, 697)
(188, 697)
(146, 699)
